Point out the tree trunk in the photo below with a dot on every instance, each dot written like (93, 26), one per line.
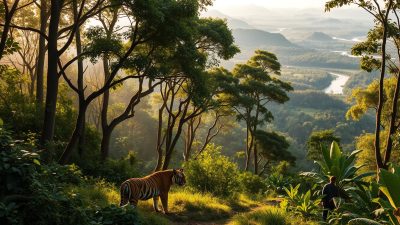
(78, 43)
(105, 143)
(6, 28)
(378, 156)
(167, 160)
(82, 138)
(159, 161)
(160, 138)
(189, 139)
(392, 127)
(75, 135)
(52, 74)
(170, 148)
(41, 55)
(255, 159)
(4, 36)
(248, 149)
(254, 138)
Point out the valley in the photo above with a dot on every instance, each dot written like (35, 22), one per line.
(314, 51)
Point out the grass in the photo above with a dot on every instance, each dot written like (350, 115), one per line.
(102, 194)
(268, 215)
(152, 218)
(185, 205)
(97, 195)
(263, 216)
(244, 202)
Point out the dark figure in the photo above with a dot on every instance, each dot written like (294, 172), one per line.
(329, 191)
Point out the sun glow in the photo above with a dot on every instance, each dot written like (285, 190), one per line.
(271, 3)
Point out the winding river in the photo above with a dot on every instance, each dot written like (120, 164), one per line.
(336, 87)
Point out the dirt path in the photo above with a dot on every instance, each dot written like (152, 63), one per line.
(227, 220)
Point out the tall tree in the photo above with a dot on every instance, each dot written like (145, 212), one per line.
(87, 9)
(387, 27)
(221, 86)
(181, 104)
(25, 59)
(146, 31)
(44, 17)
(258, 85)
(7, 12)
(274, 147)
(108, 19)
(189, 93)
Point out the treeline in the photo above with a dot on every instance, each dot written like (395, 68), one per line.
(65, 66)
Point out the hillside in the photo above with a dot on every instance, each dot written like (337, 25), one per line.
(259, 38)
(319, 36)
(233, 23)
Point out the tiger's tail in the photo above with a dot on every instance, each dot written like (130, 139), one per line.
(125, 192)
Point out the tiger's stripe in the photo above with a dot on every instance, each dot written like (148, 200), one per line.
(152, 186)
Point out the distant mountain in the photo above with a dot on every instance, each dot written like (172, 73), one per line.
(260, 38)
(233, 23)
(332, 22)
(319, 36)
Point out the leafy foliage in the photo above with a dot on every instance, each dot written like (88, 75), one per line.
(302, 203)
(389, 184)
(32, 192)
(336, 163)
(252, 184)
(11, 46)
(361, 204)
(212, 172)
(274, 147)
(317, 139)
(278, 183)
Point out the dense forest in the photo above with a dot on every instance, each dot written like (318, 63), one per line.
(240, 121)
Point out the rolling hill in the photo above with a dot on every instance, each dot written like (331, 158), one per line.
(259, 38)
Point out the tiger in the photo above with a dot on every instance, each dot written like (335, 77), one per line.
(153, 186)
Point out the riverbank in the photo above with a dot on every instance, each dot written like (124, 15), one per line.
(337, 85)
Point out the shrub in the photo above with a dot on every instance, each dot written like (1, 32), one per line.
(114, 215)
(212, 172)
(277, 183)
(251, 183)
(33, 192)
(39, 194)
(301, 203)
(112, 170)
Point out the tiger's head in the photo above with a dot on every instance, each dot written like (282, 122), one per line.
(178, 177)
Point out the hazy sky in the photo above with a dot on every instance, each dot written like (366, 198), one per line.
(272, 3)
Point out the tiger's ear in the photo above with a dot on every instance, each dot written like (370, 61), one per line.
(181, 170)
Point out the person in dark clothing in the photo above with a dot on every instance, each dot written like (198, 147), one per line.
(329, 191)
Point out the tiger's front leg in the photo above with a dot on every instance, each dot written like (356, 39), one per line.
(133, 203)
(155, 204)
(164, 201)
